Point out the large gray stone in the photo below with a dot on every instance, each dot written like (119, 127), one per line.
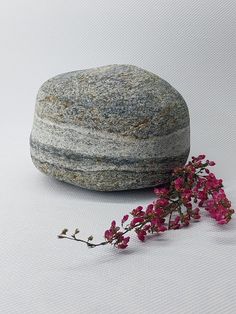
(115, 127)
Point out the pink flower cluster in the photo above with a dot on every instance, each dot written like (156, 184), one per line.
(192, 187)
(211, 196)
(113, 235)
(149, 220)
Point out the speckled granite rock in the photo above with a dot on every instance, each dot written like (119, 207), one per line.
(115, 127)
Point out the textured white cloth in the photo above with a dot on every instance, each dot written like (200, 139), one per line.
(190, 44)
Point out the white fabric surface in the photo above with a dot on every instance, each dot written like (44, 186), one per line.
(192, 270)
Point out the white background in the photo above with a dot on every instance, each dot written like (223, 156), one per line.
(192, 45)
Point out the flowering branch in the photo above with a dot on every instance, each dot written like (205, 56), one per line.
(192, 187)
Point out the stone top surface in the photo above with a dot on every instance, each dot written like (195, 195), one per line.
(120, 99)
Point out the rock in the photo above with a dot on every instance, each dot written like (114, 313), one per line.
(110, 128)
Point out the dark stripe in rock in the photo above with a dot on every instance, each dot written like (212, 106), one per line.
(103, 180)
(91, 160)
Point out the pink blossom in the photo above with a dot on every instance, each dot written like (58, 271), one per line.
(136, 220)
(159, 211)
(124, 243)
(108, 235)
(196, 213)
(211, 163)
(113, 224)
(162, 202)
(161, 192)
(124, 219)
(162, 228)
(149, 209)
(175, 224)
(178, 183)
(141, 234)
(138, 211)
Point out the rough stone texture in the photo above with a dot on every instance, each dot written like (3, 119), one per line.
(110, 128)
